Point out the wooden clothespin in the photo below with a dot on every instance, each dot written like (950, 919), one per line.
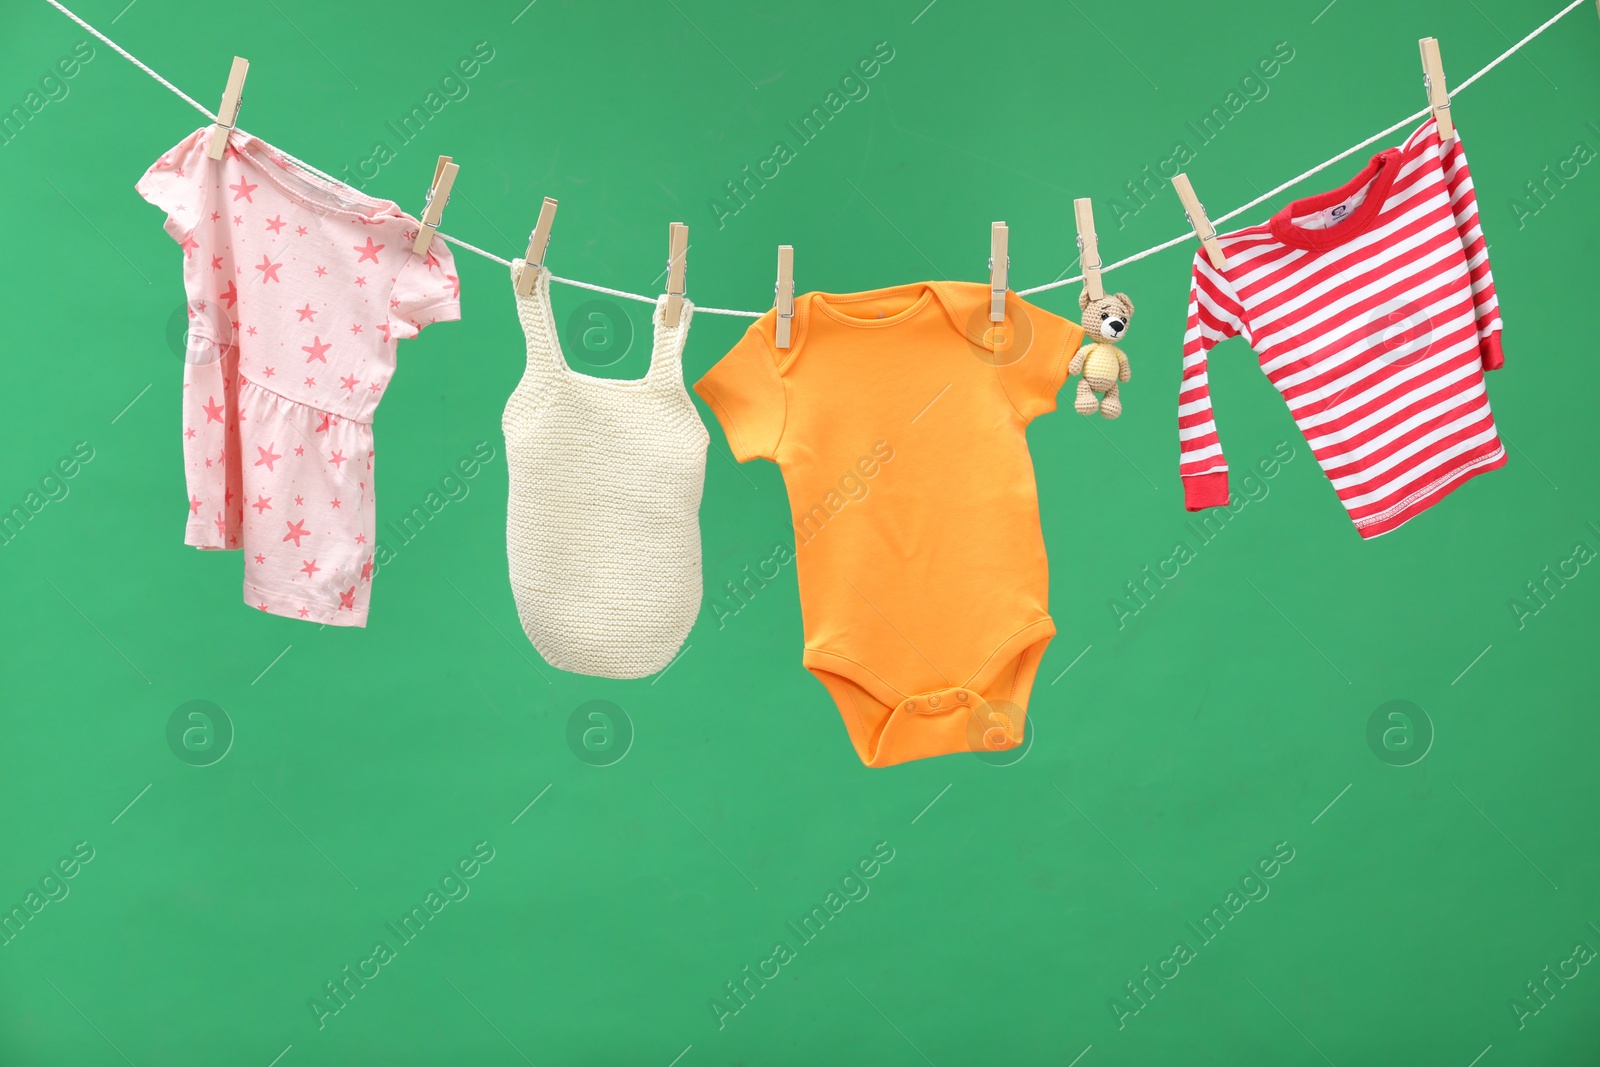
(999, 270)
(228, 110)
(1088, 248)
(1197, 219)
(677, 253)
(444, 176)
(538, 241)
(1438, 90)
(785, 290)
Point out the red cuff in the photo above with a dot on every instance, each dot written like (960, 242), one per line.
(1201, 491)
(1493, 358)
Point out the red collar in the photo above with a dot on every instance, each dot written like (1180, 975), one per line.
(1380, 172)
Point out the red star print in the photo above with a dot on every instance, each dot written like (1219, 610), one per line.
(189, 244)
(376, 387)
(262, 504)
(299, 501)
(301, 230)
(361, 281)
(260, 558)
(348, 600)
(349, 382)
(383, 328)
(194, 505)
(213, 410)
(333, 503)
(311, 381)
(261, 606)
(251, 330)
(455, 285)
(227, 497)
(231, 295)
(267, 457)
(216, 262)
(189, 432)
(304, 612)
(394, 303)
(430, 262)
(337, 459)
(361, 539)
(269, 270)
(307, 314)
(355, 327)
(317, 349)
(238, 220)
(310, 567)
(297, 530)
(208, 461)
(232, 540)
(215, 216)
(299, 450)
(366, 571)
(267, 372)
(369, 252)
(321, 271)
(242, 191)
(324, 427)
(276, 223)
(222, 527)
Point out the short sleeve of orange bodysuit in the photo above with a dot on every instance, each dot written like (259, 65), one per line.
(746, 394)
(1033, 379)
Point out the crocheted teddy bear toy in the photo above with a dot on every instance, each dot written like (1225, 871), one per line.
(1101, 363)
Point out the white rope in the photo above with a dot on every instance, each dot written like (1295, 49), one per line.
(1241, 209)
(1136, 257)
(125, 54)
(1297, 179)
(1509, 52)
(596, 288)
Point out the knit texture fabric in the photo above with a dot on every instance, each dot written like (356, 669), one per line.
(603, 523)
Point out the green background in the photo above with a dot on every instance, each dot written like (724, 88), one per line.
(1229, 715)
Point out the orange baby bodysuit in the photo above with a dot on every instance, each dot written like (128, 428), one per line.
(899, 420)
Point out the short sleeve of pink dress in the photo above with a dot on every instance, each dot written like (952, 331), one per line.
(298, 289)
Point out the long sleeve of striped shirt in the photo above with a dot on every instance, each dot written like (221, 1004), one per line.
(1464, 206)
(1372, 310)
(1215, 314)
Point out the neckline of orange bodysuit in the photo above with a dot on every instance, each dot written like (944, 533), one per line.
(824, 302)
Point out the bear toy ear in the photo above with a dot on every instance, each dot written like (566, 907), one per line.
(1125, 302)
(1083, 299)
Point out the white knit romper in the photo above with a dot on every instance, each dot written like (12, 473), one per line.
(603, 525)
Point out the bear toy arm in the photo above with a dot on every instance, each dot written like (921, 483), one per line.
(1124, 370)
(1078, 360)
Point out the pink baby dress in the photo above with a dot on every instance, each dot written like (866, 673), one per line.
(298, 290)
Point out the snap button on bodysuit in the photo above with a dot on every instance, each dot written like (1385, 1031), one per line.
(961, 696)
(933, 702)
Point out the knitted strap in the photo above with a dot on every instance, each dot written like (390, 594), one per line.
(538, 323)
(666, 345)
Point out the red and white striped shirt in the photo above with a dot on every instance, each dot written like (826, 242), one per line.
(1373, 312)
